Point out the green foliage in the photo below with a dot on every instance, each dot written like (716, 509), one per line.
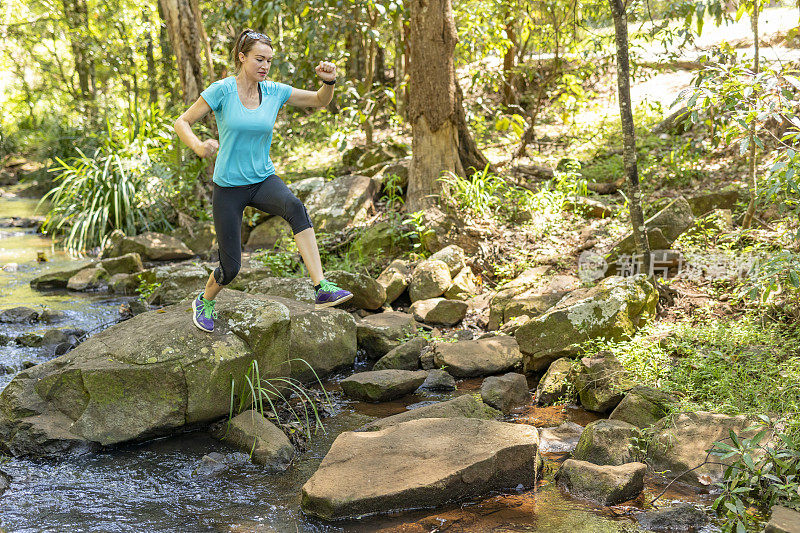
(479, 195)
(392, 192)
(146, 288)
(278, 393)
(418, 233)
(742, 365)
(282, 261)
(764, 471)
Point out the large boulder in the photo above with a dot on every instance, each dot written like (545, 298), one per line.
(303, 188)
(506, 392)
(367, 293)
(176, 282)
(130, 263)
(681, 443)
(613, 308)
(89, 279)
(431, 278)
(380, 239)
(268, 233)
(682, 517)
(150, 375)
(529, 279)
(421, 463)
(665, 226)
(341, 202)
(378, 334)
(299, 289)
(725, 198)
(151, 246)
(395, 278)
(19, 315)
(607, 485)
(321, 341)
(439, 311)
(201, 238)
(54, 280)
(601, 382)
(465, 406)
(557, 383)
(606, 442)
(643, 406)
(783, 520)
(465, 285)
(253, 434)
(560, 439)
(481, 357)
(404, 357)
(452, 256)
(382, 385)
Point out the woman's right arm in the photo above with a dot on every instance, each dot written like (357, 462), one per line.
(183, 127)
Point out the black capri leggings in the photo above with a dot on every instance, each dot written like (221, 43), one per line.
(271, 196)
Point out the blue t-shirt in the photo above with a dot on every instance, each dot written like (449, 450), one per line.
(245, 135)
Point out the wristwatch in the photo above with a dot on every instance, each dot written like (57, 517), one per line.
(332, 82)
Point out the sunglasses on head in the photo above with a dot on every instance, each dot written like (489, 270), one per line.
(258, 36)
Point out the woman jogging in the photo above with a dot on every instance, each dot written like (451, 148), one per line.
(245, 106)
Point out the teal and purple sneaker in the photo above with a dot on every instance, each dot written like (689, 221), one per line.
(329, 294)
(204, 313)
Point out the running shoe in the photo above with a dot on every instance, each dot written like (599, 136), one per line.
(204, 313)
(329, 294)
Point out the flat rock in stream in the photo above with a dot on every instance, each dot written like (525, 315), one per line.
(481, 357)
(382, 385)
(421, 463)
(465, 406)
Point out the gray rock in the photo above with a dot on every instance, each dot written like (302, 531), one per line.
(378, 334)
(557, 383)
(151, 246)
(452, 256)
(268, 233)
(465, 406)
(341, 202)
(251, 433)
(200, 238)
(681, 443)
(300, 289)
(176, 282)
(50, 315)
(18, 315)
(5, 482)
(683, 517)
(210, 465)
(29, 340)
(615, 307)
(367, 293)
(89, 279)
(607, 442)
(54, 280)
(129, 263)
(303, 188)
(382, 385)
(114, 388)
(465, 285)
(439, 311)
(607, 485)
(439, 380)
(403, 357)
(560, 439)
(506, 392)
(430, 279)
(395, 278)
(643, 406)
(601, 382)
(482, 357)
(420, 463)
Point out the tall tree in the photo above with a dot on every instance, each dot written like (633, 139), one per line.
(188, 41)
(628, 135)
(441, 141)
(77, 19)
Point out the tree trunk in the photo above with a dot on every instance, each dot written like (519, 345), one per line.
(77, 17)
(628, 136)
(432, 102)
(187, 44)
(751, 171)
(380, 65)
(509, 85)
(152, 76)
(399, 70)
(441, 140)
(167, 59)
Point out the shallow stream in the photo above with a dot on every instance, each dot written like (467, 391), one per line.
(156, 486)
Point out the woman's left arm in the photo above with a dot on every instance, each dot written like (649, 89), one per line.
(302, 98)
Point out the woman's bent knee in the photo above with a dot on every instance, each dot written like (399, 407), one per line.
(224, 276)
(296, 215)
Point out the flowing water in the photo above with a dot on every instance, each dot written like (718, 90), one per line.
(157, 486)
